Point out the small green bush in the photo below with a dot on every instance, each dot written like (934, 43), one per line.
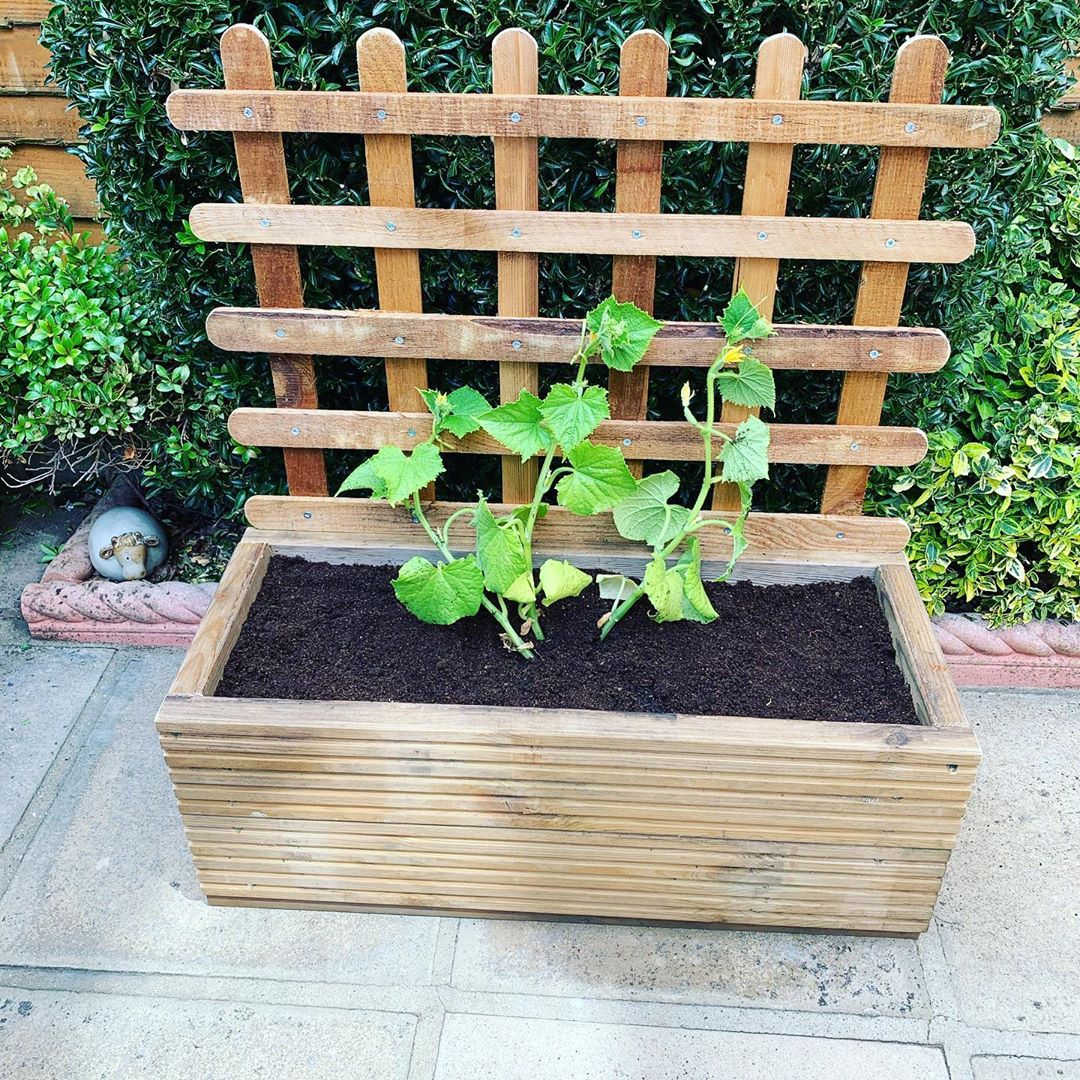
(995, 506)
(119, 64)
(77, 371)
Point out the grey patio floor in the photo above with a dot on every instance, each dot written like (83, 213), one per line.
(111, 964)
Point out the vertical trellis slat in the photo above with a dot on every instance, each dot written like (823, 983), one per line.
(260, 159)
(643, 62)
(919, 77)
(768, 174)
(380, 59)
(514, 71)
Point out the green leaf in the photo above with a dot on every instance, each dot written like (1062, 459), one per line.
(647, 515)
(437, 404)
(623, 332)
(394, 475)
(695, 601)
(500, 549)
(518, 426)
(523, 590)
(750, 384)
(466, 407)
(521, 513)
(664, 588)
(599, 479)
(574, 413)
(457, 411)
(558, 580)
(440, 594)
(741, 321)
(746, 458)
(364, 476)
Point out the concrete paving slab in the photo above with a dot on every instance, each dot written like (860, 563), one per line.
(869, 976)
(47, 1034)
(513, 1048)
(1009, 911)
(1023, 1068)
(42, 691)
(108, 882)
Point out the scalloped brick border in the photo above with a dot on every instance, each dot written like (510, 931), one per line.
(71, 604)
(1040, 655)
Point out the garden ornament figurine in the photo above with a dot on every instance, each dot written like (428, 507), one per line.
(127, 544)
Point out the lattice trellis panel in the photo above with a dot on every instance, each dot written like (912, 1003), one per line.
(641, 119)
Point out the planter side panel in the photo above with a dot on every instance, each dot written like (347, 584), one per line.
(767, 823)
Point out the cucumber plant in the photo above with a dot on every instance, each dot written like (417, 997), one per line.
(647, 513)
(590, 478)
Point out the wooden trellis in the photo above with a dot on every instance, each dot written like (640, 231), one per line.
(641, 119)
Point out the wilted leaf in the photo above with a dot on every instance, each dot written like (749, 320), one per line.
(615, 586)
(500, 549)
(695, 601)
(558, 579)
(664, 588)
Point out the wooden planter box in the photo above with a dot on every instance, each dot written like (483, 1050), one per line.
(470, 810)
(512, 812)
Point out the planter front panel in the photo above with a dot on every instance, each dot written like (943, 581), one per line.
(476, 810)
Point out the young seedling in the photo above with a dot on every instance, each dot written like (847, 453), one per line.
(676, 592)
(444, 592)
(592, 478)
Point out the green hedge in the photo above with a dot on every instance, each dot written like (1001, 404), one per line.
(119, 62)
(77, 346)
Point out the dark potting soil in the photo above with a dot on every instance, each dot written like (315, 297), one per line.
(318, 631)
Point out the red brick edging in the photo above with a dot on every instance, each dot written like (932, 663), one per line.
(1043, 654)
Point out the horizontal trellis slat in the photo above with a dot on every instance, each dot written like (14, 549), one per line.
(585, 233)
(368, 521)
(656, 440)
(586, 116)
(484, 337)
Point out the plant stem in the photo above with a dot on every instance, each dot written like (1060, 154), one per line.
(501, 617)
(694, 521)
(450, 520)
(544, 480)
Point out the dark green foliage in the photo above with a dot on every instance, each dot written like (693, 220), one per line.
(119, 61)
